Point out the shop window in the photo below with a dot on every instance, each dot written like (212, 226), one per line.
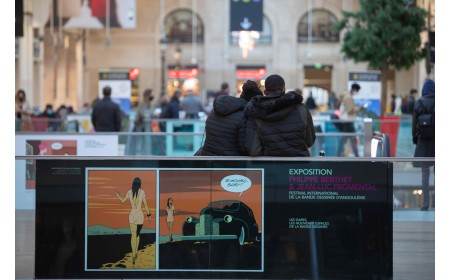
(321, 27)
(180, 25)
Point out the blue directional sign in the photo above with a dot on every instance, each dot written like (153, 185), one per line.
(246, 15)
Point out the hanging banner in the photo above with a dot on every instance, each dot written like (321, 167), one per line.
(246, 15)
(92, 14)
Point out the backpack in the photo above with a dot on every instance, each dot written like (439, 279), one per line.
(425, 123)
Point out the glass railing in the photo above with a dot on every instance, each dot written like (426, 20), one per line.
(183, 137)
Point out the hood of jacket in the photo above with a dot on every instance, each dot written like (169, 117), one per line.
(226, 104)
(272, 107)
(428, 88)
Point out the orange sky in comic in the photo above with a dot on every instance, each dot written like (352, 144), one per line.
(104, 208)
(190, 191)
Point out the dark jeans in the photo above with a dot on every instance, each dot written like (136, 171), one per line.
(426, 184)
(347, 127)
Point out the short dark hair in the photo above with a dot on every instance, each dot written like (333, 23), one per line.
(250, 89)
(356, 87)
(413, 91)
(107, 91)
(274, 83)
(224, 86)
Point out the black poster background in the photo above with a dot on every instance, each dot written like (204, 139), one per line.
(252, 10)
(351, 237)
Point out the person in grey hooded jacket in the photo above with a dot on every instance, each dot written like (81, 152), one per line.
(225, 126)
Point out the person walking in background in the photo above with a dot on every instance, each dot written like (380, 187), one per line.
(86, 109)
(311, 103)
(170, 219)
(347, 112)
(106, 115)
(192, 105)
(424, 137)
(171, 110)
(23, 112)
(136, 195)
(53, 118)
(333, 101)
(393, 103)
(411, 101)
(224, 90)
(404, 107)
(225, 126)
(144, 111)
(278, 124)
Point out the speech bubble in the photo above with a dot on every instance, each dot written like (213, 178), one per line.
(57, 146)
(236, 183)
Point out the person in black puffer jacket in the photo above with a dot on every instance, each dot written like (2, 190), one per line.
(425, 146)
(278, 124)
(225, 126)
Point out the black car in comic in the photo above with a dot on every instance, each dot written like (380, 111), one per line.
(225, 236)
(222, 220)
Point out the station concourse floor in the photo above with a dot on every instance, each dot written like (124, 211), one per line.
(413, 244)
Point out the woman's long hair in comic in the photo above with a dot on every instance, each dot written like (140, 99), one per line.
(168, 201)
(136, 186)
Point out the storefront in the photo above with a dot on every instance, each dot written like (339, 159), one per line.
(182, 77)
(249, 72)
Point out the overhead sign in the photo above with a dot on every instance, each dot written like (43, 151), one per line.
(246, 15)
(369, 95)
(120, 83)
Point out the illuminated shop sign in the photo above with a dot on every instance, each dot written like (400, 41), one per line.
(183, 73)
(250, 73)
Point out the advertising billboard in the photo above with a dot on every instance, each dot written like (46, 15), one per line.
(202, 219)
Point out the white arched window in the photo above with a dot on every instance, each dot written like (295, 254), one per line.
(321, 27)
(179, 25)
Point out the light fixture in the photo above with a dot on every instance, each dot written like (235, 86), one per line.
(247, 41)
(177, 53)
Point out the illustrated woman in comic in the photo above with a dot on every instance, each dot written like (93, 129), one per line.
(136, 195)
(170, 210)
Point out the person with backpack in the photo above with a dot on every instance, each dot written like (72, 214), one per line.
(423, 134)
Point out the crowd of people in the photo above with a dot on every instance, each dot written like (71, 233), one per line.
(33, 119)
(269, 122)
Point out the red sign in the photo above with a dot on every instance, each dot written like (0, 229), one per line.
(183, 73)
(134, 73)
(250, 73)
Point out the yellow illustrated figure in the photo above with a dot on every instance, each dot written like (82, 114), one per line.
(170, 210)
(136, 195)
